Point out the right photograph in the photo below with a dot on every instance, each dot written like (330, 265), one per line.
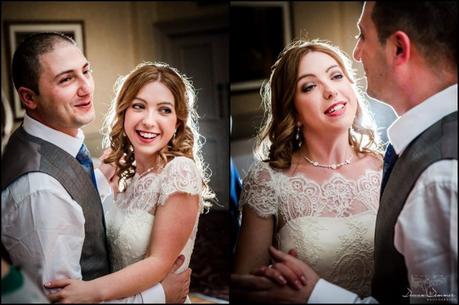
(343, 144)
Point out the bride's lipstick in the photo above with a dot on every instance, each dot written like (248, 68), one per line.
(336, 109)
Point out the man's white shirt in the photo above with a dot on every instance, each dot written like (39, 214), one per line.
(43, 227)
(426, 229)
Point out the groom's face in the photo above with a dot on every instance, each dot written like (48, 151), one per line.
(66, 87)
(371, 53)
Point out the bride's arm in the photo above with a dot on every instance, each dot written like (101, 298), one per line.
(252, 255)
(254, 240)
(172, 227)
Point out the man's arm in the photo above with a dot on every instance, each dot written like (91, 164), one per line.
(180, 208)
(42, 228)
(43, 231)
(248, 288)
(173, 289)
(260, 289)
(429, 244)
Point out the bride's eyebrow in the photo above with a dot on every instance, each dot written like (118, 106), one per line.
(331, 67)
(140, 99)
(311, 74)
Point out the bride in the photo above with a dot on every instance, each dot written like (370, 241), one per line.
(154, 144)
(317, 190)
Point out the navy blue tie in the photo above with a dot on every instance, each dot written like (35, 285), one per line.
(389, 160)
(84, 157)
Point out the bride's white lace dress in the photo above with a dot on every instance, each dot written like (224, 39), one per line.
(130, 219)
(331, 224)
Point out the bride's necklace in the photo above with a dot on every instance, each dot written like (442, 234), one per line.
(330, 166)
(155, 168)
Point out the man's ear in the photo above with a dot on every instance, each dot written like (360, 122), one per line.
(399, 48)
(28, 97)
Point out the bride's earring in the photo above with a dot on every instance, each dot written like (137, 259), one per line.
(169, 145)
(298, 134)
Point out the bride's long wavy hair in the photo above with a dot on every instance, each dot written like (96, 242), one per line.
(187, 141)
(276, 141)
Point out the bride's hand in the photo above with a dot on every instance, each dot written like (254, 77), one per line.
(283, 273)
(73, 291)
(109, 170)
(307, 275)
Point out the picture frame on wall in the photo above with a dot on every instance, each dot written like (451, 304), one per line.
(259, 32)
(17, 31)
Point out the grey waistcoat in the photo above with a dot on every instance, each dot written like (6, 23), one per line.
(438, 142)
(24, 154)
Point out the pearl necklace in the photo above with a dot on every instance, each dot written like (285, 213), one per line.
(330, 166)
(156, 167)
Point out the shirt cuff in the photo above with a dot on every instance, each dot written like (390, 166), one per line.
(154, 295)
(103, 186)
(326, 292)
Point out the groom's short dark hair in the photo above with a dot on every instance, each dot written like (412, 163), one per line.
(26, 63)
(431, 25)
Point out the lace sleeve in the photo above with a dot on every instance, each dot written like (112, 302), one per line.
(181, 175)
(258, 190)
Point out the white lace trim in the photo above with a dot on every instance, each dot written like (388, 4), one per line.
(271, 192)
(130, 220)
(146, 192)
(330, 224)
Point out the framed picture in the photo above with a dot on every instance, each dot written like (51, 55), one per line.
(17, 31)
(259, 32)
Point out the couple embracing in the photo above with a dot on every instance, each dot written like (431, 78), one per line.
(53, 223)
(357, 225)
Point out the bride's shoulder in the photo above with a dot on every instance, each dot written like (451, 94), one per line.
(181, 167)
(180, 162)
(259, 165)
(260, 170)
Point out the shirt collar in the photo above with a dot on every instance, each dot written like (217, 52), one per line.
(416, 120)
(68, 143)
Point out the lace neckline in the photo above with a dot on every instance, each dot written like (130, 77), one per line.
(368, 212)
(273, 192)
(303, 176)
(150, 171)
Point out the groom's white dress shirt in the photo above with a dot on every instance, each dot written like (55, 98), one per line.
(426, 229)
(46, 226)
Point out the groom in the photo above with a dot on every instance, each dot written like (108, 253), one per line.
(409, 52)
(52, 219)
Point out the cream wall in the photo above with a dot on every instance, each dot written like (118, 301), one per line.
(118, 35)
(334, 21)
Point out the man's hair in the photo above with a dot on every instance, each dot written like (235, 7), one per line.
(26, 62)
(431, 25)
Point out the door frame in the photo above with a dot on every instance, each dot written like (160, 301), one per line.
(165, 30)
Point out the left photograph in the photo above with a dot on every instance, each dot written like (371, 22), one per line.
(115, 152)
